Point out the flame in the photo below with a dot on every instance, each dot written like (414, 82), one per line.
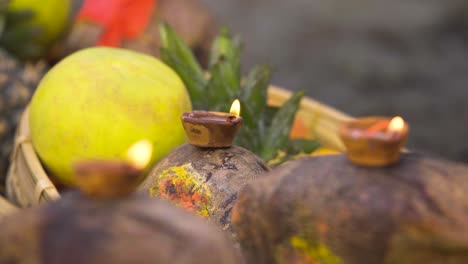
(235, 108)
(139, 154)
(396, 124)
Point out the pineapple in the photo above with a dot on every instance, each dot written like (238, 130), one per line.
(266, 129)
(18, 80)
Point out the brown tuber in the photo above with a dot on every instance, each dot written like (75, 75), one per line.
(327, 210)
(137, 229)
(204, 180)
(104, 223)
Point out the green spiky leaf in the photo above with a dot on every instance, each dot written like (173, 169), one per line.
(177, 54)
(227, 49)
(265, 129)
(277, 137)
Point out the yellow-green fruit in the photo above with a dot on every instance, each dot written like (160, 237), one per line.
(51, 15)
(97, 102)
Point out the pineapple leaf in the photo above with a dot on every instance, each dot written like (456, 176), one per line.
(269, 113)
(225, 76)
(266, 129)
(253, 105)
(222, 86)
(254, 93)
(228, 49)
(297, 146)
(178, 56)
(192, 84)
(278, 134)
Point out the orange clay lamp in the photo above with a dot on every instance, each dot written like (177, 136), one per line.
(113, 178)
(205, 175)
(212, 129)
(374, 141)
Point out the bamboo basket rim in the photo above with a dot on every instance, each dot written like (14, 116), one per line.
(34, 179)
(6, 207)
(38, 181)
(309, 104)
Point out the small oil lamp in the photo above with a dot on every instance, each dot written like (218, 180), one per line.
(113, 178)
(212, 129)
(205, 175)
(374, 141)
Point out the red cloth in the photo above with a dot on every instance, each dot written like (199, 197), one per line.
(121, 19)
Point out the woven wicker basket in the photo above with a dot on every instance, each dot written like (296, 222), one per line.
(6, 207)
(28, 183)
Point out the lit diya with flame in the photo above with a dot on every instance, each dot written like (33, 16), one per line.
(205, 175)
(113, 178)
(374, 141)
(212, 129)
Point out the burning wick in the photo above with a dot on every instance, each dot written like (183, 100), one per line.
(234, 111)
(235, 108)
(113, 178)
(374, 141)
(139, 154)
(396, 125)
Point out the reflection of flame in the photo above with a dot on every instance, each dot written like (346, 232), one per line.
(140, 153)
(396, 124)
(235, 108)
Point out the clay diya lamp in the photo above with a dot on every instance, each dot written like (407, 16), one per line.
(374, 141)
(113, 178)
(212, 129)
(205, 175)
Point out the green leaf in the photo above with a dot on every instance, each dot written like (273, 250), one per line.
(195, 86)
(253, 105)
(265, 129)
(225, 80)
(297, 146)
(254, 94)
(227, 48)
(269, 113)
(180, 57)
(249, 139)
(278, 134)
(221, 89)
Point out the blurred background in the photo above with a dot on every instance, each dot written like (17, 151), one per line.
(363, 57)
(367, 57)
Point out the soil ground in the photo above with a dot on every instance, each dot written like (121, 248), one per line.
(390, 57)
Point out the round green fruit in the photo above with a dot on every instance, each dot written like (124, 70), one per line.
(97, 102)
(51, 16)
